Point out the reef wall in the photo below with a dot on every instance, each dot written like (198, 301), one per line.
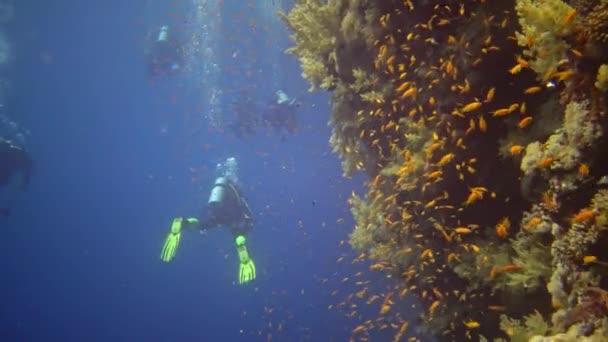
(482, 128)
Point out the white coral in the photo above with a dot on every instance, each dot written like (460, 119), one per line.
(532, 156)
(578, 132)
(579, 125)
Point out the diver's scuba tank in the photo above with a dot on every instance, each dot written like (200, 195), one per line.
(163, 35)
(219, 191)
(284, 99)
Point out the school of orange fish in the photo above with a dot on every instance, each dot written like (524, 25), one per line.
(449, 83)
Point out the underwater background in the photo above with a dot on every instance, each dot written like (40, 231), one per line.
(444, 179)
(117, 156)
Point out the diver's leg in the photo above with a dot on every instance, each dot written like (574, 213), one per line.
(247, 271)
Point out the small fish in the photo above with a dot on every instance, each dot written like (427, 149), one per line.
(472, 324)
(525, 122)
(577, 53)
(583, 169)
(497, 308)
(589, 259)
(516, 150)
(483, 126)
(545, 163)
(522, 62)
(563, 75)
(463, 230)
(516, 69)
(532, 90)
(471, 107)
(501, 112)
(490, 95)
(569, 16)
(592, 259)
(502, 228)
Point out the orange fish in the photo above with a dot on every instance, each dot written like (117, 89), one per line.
(516, 150)
(584, 215)
(533, 90)
(463, 230)
(359, 329)
(533, 222)
(490, 95)
(411, 92)
(483, 126)
(497, 308)
(545, 163)
(569, 16)
(502, 228)
(501, 112)
(432, 308)
(583, 169)
(516, 69)
(471, 107)
(525, 122)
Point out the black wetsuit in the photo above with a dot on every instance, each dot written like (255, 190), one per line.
(233, 212)
(281, 116)
(166, 58)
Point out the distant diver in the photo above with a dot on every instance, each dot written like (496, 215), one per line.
(165, 57)
(14, 161)
(280, 114)
(226, 208)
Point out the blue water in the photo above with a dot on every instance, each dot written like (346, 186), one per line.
(117, 156)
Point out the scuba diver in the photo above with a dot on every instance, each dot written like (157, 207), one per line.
(226, 208)
(281, 113)
(166, 56)
(14, 160)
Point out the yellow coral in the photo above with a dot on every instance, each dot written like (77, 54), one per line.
(314, 24)
(544, 24)
(602, 78)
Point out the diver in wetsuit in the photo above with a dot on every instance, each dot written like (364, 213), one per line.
(281, 113)
(226, 208)
(166, 56)
(14, 160)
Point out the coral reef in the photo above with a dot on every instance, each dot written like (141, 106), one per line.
(518, 331)
(314, 25)
(601, 82)
(563, 149)
(483, 155)
(545, 24)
